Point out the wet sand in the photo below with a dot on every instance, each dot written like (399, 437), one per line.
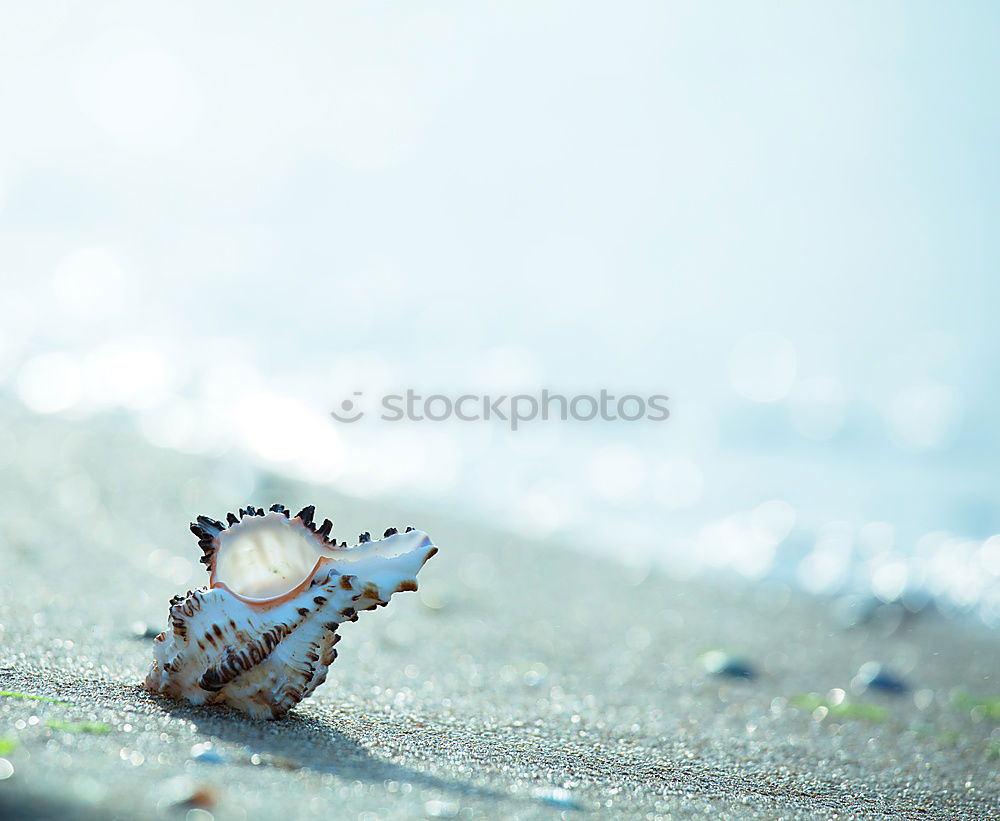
(523, 680)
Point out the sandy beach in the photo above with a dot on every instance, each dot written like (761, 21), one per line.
(523, 680)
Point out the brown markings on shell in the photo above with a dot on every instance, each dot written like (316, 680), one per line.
(329, 654)
(321, 652)
(370, 591)
(368, 599)
(252, 652)
(172, 689)
(302, 681)
(249, 655)
(150, 681)
(406, 585)
(182, 609)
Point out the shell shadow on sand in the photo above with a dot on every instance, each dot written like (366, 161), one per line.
(309, 742)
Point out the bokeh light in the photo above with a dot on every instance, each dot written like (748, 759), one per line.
(218, 233)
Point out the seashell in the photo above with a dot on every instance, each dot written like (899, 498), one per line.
(261, 636)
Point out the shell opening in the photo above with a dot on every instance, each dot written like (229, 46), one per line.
(266, 557)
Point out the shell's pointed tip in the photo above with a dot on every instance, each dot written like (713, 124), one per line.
(306, 514)
(325, 528)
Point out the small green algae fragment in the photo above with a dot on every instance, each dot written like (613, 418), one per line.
(78, 726)
(12, 694)
(988, 708)
(841, 709)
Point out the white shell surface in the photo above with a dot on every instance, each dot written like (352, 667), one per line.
(263, 655)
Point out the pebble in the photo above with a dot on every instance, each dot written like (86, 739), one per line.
(206, 754)
(558, 797)
(141, 630)
(719, 663)
(874, 676)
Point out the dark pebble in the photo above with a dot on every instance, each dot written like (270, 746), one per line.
(718, 663)
(140, 630)
(875, 676)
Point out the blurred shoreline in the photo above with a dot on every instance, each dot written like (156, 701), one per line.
(523, 678)
(861, 569)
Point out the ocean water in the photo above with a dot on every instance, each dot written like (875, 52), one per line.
(220, 228)
(744, 494)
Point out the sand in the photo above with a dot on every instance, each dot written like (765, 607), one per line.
(524, 679)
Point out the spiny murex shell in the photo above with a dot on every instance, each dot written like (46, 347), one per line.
(260, 637)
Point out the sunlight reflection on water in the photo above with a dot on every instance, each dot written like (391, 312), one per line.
(228, 229)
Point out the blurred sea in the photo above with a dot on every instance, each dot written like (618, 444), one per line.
(743, 492)
(215, 227)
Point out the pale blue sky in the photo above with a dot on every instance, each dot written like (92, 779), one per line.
(342, 196)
